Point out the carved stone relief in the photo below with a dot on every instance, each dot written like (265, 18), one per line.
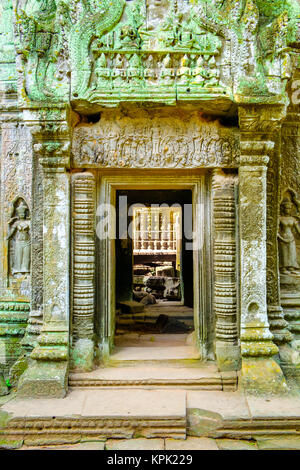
(150, 51)
(153, 141)
(289, 226)
(16, 180)
(19, 238)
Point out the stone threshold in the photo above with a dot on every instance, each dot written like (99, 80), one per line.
(205, 377)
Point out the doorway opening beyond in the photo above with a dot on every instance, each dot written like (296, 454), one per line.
(154, 276)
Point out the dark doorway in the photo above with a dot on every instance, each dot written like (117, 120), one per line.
(154, 262)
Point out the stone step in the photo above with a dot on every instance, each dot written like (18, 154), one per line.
(96, 414)
(206, 377)
(154, 354)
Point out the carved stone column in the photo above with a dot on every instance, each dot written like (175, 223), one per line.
(83, 223)
(225, 279)
(260, 372)
(47, 373)
(278, 325)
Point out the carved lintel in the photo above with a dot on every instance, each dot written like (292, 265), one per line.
(154, 141)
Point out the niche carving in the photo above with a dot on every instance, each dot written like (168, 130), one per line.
(19, 239)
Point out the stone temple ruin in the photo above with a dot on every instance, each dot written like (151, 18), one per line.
(169, 114)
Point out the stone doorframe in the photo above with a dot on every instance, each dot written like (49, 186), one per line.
(107, 183)
(47, 373)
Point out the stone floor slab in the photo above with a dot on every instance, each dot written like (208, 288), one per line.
(71, 405)
(134, 444)
(138, 403)
(274, 407)
(230, 405)
(191, 443)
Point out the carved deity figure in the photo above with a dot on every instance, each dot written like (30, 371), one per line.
(157, 23)
(184, 71)
(287, 244)
(20, 239)
(167, 73)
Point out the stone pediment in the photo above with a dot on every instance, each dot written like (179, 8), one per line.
(104, 52)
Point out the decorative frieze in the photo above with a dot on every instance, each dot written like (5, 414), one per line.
(154, 141)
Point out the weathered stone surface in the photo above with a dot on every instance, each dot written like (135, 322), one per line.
(278, 443)
(236, 444)
(134, 444)
(226, 405)
(12, 443)
(51, 439)
(191, 443)
(17, 370)
(261, 407)
(97, 445)
(202, 422)
(47, 379)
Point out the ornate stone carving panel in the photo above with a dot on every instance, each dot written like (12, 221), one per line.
(155, 141)
(16, 166)
(152, 51)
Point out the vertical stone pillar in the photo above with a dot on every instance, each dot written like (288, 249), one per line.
(260, 372)
(225, 279)
(278, 325)
(47, 374)
(35, 320)
(83, 223)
